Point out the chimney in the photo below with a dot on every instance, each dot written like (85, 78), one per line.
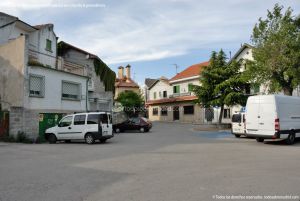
(128, 71)
(121, 72)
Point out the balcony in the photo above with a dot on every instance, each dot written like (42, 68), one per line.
(180, 94)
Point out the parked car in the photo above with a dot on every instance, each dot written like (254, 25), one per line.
(238, 124)
(273, 117)
(82, 126)
(139, 123)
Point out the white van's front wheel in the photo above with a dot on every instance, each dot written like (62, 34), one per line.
(291, 139)
(89, 139)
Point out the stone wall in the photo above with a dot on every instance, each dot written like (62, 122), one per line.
(23, 120)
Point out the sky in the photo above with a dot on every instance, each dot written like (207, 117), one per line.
(151, 35)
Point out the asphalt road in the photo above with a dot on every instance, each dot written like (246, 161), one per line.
(171, 163)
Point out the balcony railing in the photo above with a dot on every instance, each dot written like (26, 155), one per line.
(180, 94)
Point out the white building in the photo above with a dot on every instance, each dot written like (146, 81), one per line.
(33, 88)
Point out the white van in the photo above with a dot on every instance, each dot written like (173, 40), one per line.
(238, 124)
(82, 126)
(273, 117)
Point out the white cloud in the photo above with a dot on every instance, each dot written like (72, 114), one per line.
(127, 31)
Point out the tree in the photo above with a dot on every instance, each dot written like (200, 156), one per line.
(276, 51)
(222, 83)
(131, 101)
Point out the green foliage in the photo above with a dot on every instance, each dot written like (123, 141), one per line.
(276, 50)
(107, 76)
(222, 83)
(131, 101)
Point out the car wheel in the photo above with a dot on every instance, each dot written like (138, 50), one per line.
(117, 130)
(291, 139)
(147, 130)
(142, 129)
(89, 139)
(237, 136)
(103, 141)
(52, 139)
(260, 139)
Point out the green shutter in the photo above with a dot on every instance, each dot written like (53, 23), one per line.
(190, 87)
(48, 45)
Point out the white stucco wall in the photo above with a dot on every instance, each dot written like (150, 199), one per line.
(160, 86)
(53, 91)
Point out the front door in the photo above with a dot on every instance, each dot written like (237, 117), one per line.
(64, 130)
(176, 113)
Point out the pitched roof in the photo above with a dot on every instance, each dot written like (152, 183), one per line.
(40, 26)
(149, 82)
(191, 71)
(66, 46)
(126, 83)
(244, 46)
(172, 100)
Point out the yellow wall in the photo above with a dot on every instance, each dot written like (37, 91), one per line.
(122, 89)
(12, 62)
(197, 117)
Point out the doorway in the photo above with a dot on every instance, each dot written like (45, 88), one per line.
(176, 113)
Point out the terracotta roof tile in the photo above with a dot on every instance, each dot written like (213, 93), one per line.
(191, 71)
(126, 83)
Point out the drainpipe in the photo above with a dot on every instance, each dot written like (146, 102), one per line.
(86, 96)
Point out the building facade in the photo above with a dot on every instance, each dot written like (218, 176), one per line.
(35, 87)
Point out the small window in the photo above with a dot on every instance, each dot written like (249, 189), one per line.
(236, 118)
(188, 109)
(176, 89)
(226, 114)
(48, 45)
(154, 95)
(79, 119)
(93, 119)
(70, 91)
(36, 86)
(104, 118)
(165, 94)
(164, 111)
(65, 122)
(155, 111)
(159, 94)
(190, 87)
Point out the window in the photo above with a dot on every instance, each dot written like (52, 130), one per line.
(176, 89)
(36, 86)
(93, 119)
(190, 87)
(48, 45)
(236, 118)
(70, 91)
(135, 120)
(104, 118)
(154, 95)
(226, 114)
(165, 94)
(188, 109)
(65, 122)
(79, 119)
(159, 94)
(164, 111)
(155, 111)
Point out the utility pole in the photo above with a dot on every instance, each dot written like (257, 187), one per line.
(176, 66)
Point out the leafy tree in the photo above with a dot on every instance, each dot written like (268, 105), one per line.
(131, 101)
(222, 84)
(276, 50)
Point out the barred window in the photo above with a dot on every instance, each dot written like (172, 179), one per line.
(70, 90)
(155, 111)
(164, 111)
(36, 86)
(188, 109)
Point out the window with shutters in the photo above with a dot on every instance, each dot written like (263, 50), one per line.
(70, 90)
(37, 86)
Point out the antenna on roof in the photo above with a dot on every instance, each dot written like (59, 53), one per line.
(176, 66)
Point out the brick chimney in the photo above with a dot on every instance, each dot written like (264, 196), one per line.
(121, 72)
(128, 71)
